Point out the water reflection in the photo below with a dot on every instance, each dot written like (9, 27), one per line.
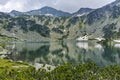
(55, 53)
(99, 46)
(83, 45)
(117, 45)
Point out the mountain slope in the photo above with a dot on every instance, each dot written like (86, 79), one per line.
(104, 22)
(39, 27)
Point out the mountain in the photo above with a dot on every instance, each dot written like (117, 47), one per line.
(104, 21)
(16, 13)
(110, 10)
(4, 15)
(101, 22)
(38, 27)
(48, 11)
(83, 11)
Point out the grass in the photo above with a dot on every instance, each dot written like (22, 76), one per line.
(4, 38)
(21, 71)
(15, 70)
(8, 63)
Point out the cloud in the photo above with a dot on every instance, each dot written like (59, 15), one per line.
(3, 2)
(73, 5)
(65, 5)
(12, 4)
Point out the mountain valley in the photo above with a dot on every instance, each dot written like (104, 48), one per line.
(50, 24)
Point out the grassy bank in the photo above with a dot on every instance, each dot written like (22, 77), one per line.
(21, 71)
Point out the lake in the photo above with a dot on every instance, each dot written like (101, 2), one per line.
(57, 53)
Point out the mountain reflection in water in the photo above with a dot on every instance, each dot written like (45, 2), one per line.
(55, 53)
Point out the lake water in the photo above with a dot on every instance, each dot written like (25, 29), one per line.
(57, 53)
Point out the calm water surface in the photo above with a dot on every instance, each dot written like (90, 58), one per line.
(56, 53)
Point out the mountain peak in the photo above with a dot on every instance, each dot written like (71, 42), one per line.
(83, 11)
(48, 11)
(15, 13)
(47, 7)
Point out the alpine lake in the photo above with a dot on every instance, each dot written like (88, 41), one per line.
(58, 53)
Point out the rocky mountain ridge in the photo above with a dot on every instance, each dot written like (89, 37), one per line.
(101, 22)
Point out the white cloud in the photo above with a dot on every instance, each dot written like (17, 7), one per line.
(73, 5)
(65, 5)
(12, 4)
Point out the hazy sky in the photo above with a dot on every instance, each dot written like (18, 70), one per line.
(65, 5)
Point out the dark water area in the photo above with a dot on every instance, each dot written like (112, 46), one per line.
(57, 53)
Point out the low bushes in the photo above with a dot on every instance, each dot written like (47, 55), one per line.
(89, 71)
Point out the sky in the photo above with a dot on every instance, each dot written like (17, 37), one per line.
(64, 5)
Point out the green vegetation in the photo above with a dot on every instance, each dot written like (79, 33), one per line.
(4, 38)
(4, 25)
(2, 45)
(109, 31)
(41, 27)
(13, 70)
(21, 71)
(88, 71)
